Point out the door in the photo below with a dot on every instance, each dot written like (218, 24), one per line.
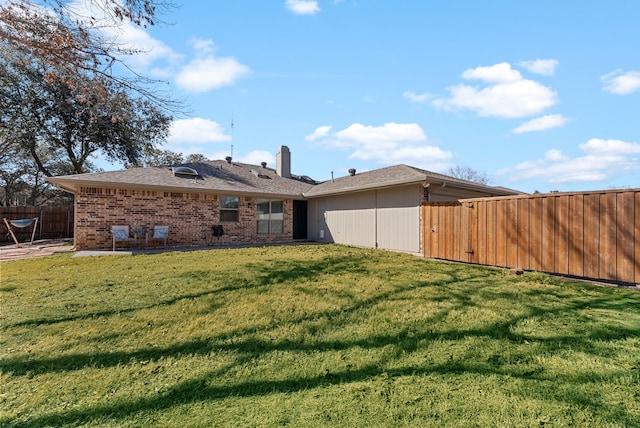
(299, 219)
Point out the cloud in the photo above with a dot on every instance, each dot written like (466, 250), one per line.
(602, 160)
(620, 83)
(417, 98)
(320, 132)
(600, 146)
(207, 72)
(256, 157)
(391, 143)
(541, 124)
(499, 73)
(196, 130)
(507, 95)
(303, 7)
(545, 67)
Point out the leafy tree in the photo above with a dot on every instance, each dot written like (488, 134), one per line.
(70, 48)
(62, 119)
(156, 157)
(469, 174)
(195, 158)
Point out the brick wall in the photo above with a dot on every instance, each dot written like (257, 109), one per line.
(190, 217)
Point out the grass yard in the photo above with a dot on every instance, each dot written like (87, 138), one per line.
(318, 335)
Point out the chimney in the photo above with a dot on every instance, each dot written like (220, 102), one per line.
(283, 162)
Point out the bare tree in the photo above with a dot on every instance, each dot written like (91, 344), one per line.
(469, 174)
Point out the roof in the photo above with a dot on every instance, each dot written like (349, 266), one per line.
(395, 176)
(236, 178)
(212, 177)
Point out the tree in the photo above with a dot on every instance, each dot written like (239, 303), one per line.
(156, 157)
(469, 174)
(64, 119)
(70, 48)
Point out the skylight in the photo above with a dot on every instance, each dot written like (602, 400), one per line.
(184, 170)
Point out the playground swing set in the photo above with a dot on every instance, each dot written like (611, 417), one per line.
(21, 224)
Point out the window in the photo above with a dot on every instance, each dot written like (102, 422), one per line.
(229, 208)
(270, 216)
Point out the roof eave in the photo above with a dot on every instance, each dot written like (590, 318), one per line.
(72, 186)
(364, 188)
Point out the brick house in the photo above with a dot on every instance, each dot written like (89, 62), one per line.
(252, 204)
(256, 204)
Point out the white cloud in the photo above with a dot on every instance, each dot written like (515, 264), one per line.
(320, 132)
(541, 124)
(498, 73)
(206, 73)
(196, 130)
(545, 67)
(620, 83)
(597, 145)
(202, 45)
(303, 7)
(602, 160)
(256, 157)
(508, 94)
(417, 98)
(391, 143)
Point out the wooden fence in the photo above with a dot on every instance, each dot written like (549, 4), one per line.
(53, 222)
(588, 234)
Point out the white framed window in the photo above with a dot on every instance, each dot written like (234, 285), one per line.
(229, 207)
(270, 215)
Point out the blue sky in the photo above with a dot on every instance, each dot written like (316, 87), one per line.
(540, 95)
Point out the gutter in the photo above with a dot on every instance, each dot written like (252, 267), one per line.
(425, 181)
(131, 186)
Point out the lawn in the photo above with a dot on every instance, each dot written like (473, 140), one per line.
(317, 335)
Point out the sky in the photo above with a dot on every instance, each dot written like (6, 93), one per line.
(539, 95)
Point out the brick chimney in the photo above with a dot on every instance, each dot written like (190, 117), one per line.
(283, 162)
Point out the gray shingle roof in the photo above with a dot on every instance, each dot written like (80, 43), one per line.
(393, 176)
(244, 179)
(213, 176)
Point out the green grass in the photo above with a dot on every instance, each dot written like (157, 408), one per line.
(310, 336)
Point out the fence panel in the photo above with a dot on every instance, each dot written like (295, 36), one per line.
(53, 222)
(586, 234)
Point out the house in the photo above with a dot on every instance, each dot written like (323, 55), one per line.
(226, 202)
(381, 208)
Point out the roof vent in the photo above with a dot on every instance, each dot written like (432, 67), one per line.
(352, 171)
(264, 164)
(228, 159)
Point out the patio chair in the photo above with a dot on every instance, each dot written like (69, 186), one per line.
(160, 233)
(120, 234)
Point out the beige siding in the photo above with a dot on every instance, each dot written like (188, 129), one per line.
(351, 219)
(398, 219)
(386, 219)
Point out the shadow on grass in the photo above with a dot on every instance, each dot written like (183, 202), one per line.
(248, 347)
(291, 271)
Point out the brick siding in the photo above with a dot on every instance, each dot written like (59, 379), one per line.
(190, 217)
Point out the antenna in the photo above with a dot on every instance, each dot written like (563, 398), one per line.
(232, 134)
